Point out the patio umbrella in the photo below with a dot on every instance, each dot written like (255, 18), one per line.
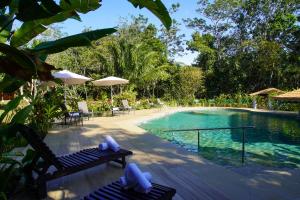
(70, 78)
(110, 81)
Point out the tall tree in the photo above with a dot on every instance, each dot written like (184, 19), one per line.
(246, 45)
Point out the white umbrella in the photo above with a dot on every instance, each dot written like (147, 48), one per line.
(70, 78)
(110, 81)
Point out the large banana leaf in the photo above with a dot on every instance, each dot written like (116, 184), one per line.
(82, 39)
(21, 116)
(15, 63)
(32, 9)
(157, 8)
(11, 105)
(31, 29)
(5, 21)
(10, 67)
(18, 56)
(44, 71)
(10, 84)
(21, 65)
(79, 5)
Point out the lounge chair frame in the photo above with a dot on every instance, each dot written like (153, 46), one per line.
(65, 165)
(125, 106)
(82, 107)
(115, 191)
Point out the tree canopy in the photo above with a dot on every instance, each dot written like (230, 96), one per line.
(248, 45)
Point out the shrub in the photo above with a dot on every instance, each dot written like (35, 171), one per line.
(143, 104)
(99, 106)
(130, 96)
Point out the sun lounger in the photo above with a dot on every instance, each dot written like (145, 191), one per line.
(82, 107)
(115, 191)
(66, 164)
(125, 106)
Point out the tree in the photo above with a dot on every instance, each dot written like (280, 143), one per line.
(244, 46)
(171, 37)
(28, 63)
(190, 81)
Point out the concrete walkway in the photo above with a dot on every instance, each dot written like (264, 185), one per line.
(192, 176)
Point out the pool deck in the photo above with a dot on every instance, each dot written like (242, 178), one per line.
(192, 176)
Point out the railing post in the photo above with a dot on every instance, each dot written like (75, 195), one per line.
(243, 146)
(198, 141)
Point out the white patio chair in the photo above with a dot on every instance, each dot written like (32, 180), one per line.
(126, 106)
(82, 107)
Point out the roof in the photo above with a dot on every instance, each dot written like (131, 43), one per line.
(267, 91)
(289, 96)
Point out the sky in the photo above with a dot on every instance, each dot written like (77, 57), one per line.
(112, 11)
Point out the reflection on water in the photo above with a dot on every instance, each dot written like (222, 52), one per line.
(274, 142)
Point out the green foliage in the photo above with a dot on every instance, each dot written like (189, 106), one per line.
(24, 34)
(99, 106)
(8, 176)
(245, 46)
(46, 107)
(189, 81)
(135, 53)
(157, 8)
(11, 105)
(24, 64)
(143, 104)
(82, 39)
(130, 96)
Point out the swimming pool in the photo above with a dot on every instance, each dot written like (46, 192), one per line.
(274, 142)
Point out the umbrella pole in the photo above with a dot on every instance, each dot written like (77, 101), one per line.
(111, 96)
(85, 92)
(65, 95)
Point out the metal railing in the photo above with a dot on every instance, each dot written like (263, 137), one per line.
(223, 128)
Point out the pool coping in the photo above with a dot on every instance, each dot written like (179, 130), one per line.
(186, 109)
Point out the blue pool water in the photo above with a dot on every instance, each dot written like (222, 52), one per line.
(274, 142)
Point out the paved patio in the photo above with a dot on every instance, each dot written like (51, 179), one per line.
(192, 176)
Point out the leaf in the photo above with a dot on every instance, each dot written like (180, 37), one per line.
(25, 33)
(82, 39)
(27, 159)
(5, 20)
(19, 57)
(21, 65)
(80, 6)
(21, 116)
(31, 10)
(15, 70)
(3, 196)
(51, 6)
(11, 105)
(157, 8)
(10, 84)
(31, 29)
(44, 71)
(6, 174)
